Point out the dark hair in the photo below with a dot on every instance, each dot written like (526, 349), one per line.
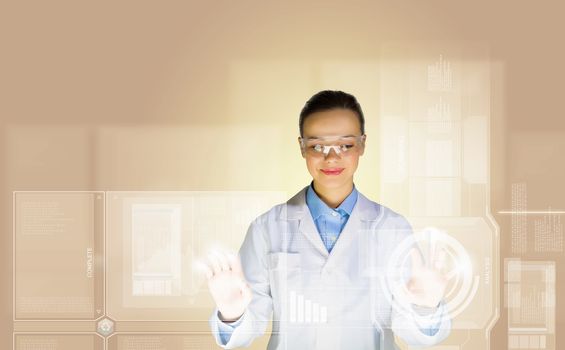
(330, 99)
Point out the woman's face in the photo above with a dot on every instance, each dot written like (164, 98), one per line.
(332, 170)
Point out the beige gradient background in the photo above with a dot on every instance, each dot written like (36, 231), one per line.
(147, 95)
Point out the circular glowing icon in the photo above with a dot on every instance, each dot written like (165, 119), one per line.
(439, 252)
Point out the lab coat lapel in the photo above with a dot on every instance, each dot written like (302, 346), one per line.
(308, 228)
(298, 210)
(346, 237)
(362, 213)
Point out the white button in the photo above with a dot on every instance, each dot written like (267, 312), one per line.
(334, 213)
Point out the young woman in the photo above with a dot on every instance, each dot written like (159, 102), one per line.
(314, 263)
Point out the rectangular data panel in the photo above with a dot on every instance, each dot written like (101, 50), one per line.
(49, 341)
(530, 299)
(155, 241)
(58, 255)
(162, 342)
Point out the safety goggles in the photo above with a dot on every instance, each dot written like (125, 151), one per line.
(342, 145)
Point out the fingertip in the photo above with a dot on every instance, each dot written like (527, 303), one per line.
(416, 257)
(214, 263)
(232, 259)
(200, 267)
(441, 259)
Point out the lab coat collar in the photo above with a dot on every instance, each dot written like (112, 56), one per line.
(318, 207)
(296, 208)
(364, 210)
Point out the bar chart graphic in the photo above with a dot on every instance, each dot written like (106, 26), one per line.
(303, 310)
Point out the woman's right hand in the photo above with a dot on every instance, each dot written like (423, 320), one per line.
(227, 285)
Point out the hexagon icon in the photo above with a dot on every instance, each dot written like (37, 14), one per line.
(105, 327)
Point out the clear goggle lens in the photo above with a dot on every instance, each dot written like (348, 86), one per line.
(342, 145)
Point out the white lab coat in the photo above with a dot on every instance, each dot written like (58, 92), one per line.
(320, 300)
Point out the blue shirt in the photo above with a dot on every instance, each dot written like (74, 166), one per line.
(329, 222)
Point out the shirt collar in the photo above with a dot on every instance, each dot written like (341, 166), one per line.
(318, 207)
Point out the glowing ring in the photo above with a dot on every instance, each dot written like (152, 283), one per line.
(392, 282)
